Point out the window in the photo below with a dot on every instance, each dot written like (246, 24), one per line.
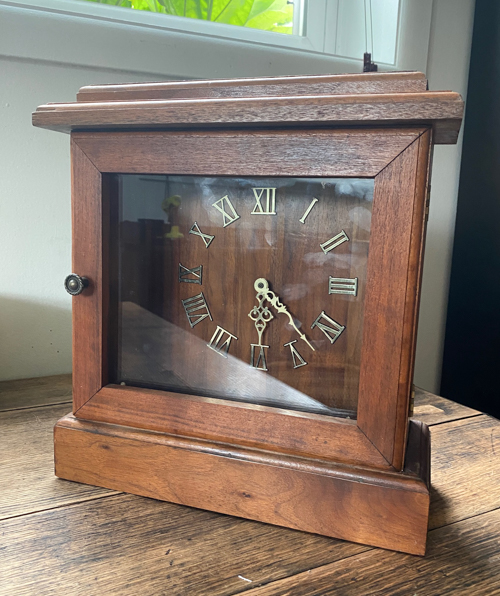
(330, 36)
(278, 16)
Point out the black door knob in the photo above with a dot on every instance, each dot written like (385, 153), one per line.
(74, 284)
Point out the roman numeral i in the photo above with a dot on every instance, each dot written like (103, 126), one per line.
(308, 210)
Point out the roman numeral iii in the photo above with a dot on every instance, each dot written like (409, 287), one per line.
(332, 331)
(196, 309)
(265, 201)
(190, 276)
(337, 240)
(225, 207)
(221, 340)
(343, 285)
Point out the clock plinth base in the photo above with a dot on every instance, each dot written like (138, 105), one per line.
(374, 507)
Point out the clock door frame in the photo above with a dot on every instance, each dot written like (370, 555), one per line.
(397, 159)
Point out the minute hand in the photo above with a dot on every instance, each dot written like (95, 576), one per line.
(281, 308)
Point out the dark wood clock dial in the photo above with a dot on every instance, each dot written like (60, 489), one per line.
(192, 318)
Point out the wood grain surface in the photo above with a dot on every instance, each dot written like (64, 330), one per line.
(385, 426)
(27, 481)
(131, 545)
(122, 545)
(400, 82)
(334, 152)
(412, 301)
(39, 391)
(442, 109)
(432, 409)
(469, 487)
(450, 567)
(391, 509)
(394, 224)
(299, 433)
(87, 261)
(390, 304)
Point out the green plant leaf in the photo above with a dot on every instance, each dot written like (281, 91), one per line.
(196, 9)
(269, 20)
(270, 15)
(231, 12)
(147, 5)
(260, 6)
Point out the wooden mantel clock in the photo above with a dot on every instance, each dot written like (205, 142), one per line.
(247, 258)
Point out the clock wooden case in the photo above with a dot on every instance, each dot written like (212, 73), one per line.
(247, 258)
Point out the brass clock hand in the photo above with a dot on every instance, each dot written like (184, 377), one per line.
(262, 287)
(260, 314)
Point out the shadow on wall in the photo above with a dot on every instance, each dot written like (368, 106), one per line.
(35, 339)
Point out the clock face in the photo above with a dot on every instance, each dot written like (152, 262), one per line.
(249, 289)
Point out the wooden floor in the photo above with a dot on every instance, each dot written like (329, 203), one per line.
(62, 538)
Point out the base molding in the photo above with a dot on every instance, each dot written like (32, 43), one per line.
(378, 508)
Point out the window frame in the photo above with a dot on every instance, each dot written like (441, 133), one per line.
(118, 38)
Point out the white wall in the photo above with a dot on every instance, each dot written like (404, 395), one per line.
(35, 225)
(447, 68)
(35, 318)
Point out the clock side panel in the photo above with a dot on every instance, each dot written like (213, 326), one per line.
(391, 310)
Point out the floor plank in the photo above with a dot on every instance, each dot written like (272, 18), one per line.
(462, 559)
(60, 537)
(132, 545)
(27, 481)
(432, 409)
(28, 393)
(465, 469)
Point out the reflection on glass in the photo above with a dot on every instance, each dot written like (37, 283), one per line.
(247, 289)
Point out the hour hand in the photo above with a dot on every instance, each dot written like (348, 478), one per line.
(260, 314)
(262, 286)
